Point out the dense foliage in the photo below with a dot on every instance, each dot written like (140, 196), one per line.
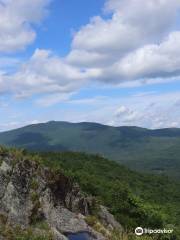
(135, 199)
(141, 149)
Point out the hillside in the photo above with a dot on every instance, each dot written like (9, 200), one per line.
(39, 203)
(134, 199)
(68, 196)
(141, 149)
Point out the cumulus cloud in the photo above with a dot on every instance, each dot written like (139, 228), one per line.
(45, 73)
(146, 15)
(84, 58)
(133, 23)
(16, 19)
(107, 36)
(150, 61)
(137, 42)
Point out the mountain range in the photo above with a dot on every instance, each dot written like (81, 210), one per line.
(155, 151)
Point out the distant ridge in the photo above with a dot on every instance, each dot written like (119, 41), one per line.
(156, 151)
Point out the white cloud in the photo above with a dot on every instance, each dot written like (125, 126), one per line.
(137, 43)
(45, 73)
(116, 50)
(121, 111)
(84, 58)
(107, 36)
(146, 15)
(16, 19)
(133, 23)
(151, 61)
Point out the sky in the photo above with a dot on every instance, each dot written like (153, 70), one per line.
(114, 62)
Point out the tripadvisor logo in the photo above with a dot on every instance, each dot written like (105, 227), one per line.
(140, 231)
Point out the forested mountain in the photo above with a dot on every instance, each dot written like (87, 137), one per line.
(155, 151)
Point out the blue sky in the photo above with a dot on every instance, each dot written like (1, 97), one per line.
(108, 61)
(64, 17)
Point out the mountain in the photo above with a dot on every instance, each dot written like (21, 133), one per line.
(155, 151)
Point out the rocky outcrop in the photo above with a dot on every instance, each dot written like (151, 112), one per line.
(31, 194)
(108, 219)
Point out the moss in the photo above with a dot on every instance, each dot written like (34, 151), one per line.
(42, 224)
(17, 233)
(97, 226)
(3, 150)
(34, 184)
(28, 234)
(34, 197)
(91, 220)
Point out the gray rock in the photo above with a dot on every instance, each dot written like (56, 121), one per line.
(57, 235)
(28, 192)
(108, 219)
